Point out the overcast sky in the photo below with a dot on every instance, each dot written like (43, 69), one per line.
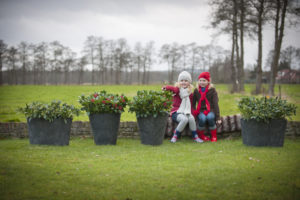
(162, 21)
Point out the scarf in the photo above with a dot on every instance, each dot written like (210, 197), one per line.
(185, 106)
(203, 98)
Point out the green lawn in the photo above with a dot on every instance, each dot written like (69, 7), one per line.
(185, 170)
(12, 97)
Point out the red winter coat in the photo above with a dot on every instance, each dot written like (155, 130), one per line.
(177, 99)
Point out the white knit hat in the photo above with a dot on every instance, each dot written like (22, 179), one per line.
(185, 76)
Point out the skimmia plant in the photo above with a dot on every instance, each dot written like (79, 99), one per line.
(103, 102)
(264, 109)
(49, 112)
(151, 103)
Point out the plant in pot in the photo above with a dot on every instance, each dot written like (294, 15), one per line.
(264, 121)
(151, 109)
(104, 111)
(49, 124)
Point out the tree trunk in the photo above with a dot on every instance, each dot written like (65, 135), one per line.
(15, 78)
(23, 71)
(241, 74)
(259, 57)
(235, 51)
(233, 72)
(172, 70)
(193, 65)
(278, 41)
(138, 69)
(1, 60)
(144, 72)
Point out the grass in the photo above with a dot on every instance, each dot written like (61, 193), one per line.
(185, 170)
(12, 97)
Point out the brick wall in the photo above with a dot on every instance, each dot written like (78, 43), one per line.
(230, 127)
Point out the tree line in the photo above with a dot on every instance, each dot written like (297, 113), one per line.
(52, 63)
(102, 62)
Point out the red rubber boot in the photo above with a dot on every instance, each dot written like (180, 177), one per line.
(202, 136)
(213, 135)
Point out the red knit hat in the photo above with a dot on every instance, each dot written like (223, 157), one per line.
(205, 75)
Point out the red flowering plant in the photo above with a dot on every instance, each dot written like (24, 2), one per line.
(103, 102)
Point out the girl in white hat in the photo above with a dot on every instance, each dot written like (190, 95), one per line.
(181, 111)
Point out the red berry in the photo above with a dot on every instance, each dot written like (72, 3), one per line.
(120, 107)
(95, 95)
(93, 100)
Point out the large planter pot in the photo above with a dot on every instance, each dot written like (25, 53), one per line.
(152, 129)
(263, 134)
(56, 132)
(105, 127)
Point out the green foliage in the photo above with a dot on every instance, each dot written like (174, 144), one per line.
(103, 102)
(151, 103)
(265, 109)
(49, 112)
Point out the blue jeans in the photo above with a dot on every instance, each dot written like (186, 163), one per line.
(209, 118)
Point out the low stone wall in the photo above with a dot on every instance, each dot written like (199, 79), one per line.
(78, 128)
(230, 127)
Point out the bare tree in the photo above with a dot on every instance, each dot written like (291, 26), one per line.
(56, 61)
(224, 16)
(289, 58)
(111, 46)
(41, 60)
(207, 55)
(184, 55)
(100, 55)
(171, 55)
(12, 65)
(281, 8)
(3, 50)
(193, 50)
(148, 60)
(23, 49)
(137, 59)
(81, 65)
(230, 17)
(90, 46)
(258, 17)
(68, 61)
(241, 73)
(37, 63)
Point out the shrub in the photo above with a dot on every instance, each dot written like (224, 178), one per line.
(151, 103)
(103, 102)
(49, 112)
(264, 109)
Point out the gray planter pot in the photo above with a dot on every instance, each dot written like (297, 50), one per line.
(49, 133)
(105, 127)
(263, 134)
(152, 129)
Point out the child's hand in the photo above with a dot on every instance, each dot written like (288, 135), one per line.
(219, 122)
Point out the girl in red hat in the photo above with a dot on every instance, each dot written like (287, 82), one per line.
(181, 111)
(207, 110)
